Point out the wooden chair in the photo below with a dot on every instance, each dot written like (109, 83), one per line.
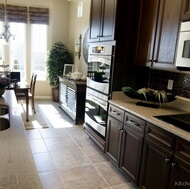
(21, 96)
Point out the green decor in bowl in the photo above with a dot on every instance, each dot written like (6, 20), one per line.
(151, 95)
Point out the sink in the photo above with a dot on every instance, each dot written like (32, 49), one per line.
(4, 118)
(4, 123)
(181, 121)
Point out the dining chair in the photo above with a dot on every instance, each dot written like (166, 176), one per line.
(31, 92)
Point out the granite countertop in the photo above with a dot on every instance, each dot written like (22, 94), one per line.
(17, 166)
(146, 113)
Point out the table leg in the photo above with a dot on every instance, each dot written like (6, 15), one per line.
(27, 103)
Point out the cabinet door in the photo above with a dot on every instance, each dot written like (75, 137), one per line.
(167, 34)
(155, 168)
(146, 32)
(113, 139)
(185, 10)
(108, 20)
(158, 33)
(102, 20)
(131, 153)
(180, 174)
(95, 20)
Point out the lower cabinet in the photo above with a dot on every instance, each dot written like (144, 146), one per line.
(124, 144)
(131, 154)
(146, 154)
(155, 169)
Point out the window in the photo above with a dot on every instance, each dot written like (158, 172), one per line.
(80, 9)
(17, 48)
(38, 50)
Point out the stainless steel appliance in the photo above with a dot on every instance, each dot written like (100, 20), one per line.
(183, 49)
(100, 59)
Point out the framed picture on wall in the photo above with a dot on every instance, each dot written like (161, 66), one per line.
(68, 68)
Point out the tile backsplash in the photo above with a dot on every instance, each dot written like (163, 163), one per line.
(181, 82)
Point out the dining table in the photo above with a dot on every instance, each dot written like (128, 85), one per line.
(21, 87)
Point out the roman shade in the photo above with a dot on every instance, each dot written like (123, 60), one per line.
(38, 15)
(16, 14)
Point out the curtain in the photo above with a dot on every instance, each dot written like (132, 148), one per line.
(39, 15)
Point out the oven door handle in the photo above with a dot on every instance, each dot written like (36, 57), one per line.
(96, 100)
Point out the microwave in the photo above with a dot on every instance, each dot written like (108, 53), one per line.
(183, 49)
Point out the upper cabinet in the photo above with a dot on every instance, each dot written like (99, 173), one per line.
(158, 33)
(185, 10)
(102, 20)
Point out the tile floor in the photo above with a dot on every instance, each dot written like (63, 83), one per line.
(66, 158)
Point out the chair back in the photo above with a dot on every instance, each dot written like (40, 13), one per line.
(33, 84)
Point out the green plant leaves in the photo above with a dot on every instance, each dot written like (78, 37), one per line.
(58, 56)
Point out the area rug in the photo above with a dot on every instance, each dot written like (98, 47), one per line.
(36, 121)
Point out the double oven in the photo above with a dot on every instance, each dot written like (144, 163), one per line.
(100, 61)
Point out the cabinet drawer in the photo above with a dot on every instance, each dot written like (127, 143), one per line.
(183, 149)
(117, 113)
(160, 136)
(134, 122)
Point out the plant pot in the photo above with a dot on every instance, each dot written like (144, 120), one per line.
(55, 94)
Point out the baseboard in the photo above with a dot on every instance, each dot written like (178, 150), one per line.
(43, 97)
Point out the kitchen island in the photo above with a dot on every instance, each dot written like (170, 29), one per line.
(17, 166)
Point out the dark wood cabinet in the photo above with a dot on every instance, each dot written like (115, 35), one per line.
(165, 160)
(123, 142)
(185, 10)
(155, 169)
(102, 20)
(146, 154)
(180, 167)
(72, 98)
(158, 33)
(131, 151)
(113, 139)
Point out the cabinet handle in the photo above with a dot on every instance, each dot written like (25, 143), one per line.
(134, 123)
(167, 160)
(173, 164)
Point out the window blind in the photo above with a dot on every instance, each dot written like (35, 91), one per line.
(2, 12)
(16, 14)
(39, 15)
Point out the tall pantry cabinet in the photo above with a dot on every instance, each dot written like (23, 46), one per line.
(116, 20)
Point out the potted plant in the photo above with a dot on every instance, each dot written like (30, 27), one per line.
(4, 81)
(58, 56)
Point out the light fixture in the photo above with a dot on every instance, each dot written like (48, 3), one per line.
(6, 34)
(78, 47)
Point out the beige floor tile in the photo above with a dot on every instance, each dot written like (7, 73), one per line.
(52, 133)
(82, 178)
(33, 134)
(69, 158)
(54, 144)
(94, 154)
(66, 158)
(111, 174)
(51, 180)
(37, 146)
(44, 162)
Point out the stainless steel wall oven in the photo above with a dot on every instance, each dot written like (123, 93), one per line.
(100, 60)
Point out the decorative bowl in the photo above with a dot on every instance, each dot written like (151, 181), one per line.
(148, 94)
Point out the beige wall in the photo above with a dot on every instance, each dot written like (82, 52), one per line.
(78, 26)
(64, 26)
